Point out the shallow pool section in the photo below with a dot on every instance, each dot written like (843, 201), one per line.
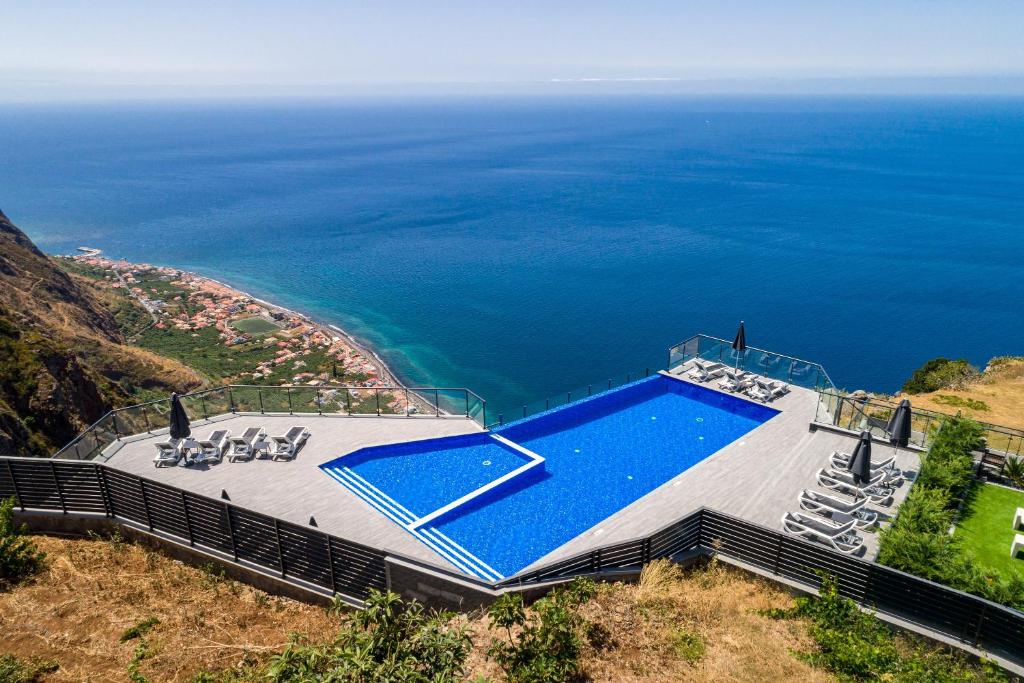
(598, 456)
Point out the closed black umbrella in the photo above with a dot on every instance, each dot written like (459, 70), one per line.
(179, 420)
(899, 425)
(860, 461)
(739, 343)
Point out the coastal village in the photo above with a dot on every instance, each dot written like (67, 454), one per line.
(290, 349)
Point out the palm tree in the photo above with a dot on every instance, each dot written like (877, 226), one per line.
(1013, 469)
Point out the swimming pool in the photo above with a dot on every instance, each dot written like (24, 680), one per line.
(548, 478)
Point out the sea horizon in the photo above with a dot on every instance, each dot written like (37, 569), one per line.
(525, 247)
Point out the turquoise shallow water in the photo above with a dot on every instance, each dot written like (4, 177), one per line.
(524, 247)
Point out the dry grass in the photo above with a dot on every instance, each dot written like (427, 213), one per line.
(702, 625)
(1001, 388)
(91, 591)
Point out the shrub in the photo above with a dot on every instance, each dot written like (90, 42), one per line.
(14, 670)
(140, 629)
(856, 646)
(388, 641)
(1014, 471)
(961, 402)
(545, 645)
(918, 541)
(940, 373)
(19, 557)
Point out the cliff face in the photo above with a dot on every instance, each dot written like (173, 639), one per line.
(62, 357)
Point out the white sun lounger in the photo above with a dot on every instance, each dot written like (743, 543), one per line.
(841, 461)
(242, 446)
(735, 380)
(838, 536)
(167, 452)
(844, 483)
(826, 505)
(705, 371)
(287, 446)
(765, 391)
(212, 447)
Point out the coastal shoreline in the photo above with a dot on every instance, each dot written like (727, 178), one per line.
(384, 371)
(385, 376)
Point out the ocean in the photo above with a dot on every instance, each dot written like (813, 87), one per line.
(525, 246)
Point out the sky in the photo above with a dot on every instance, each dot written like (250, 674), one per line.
(72, 49)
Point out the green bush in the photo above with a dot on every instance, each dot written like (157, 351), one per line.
(940, 373)
(388, 641)
(856, 646)
(19, 557)
(544, 645)
(918, 541)
(14, 670)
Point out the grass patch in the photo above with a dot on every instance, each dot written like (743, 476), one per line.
(140, 629)
(255, 325)
(961, 402)
(986, 530)
(14, 670)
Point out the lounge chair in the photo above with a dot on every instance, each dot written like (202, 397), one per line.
(843, 482)
(167, 452)
(841, 461)
(838, 536)
(735, 380)
(826, 505)
(287, 446)
(705, 371)
(242, 446)
(766, 391)
(212, 447)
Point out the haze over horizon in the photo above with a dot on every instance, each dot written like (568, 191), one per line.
(73, 50)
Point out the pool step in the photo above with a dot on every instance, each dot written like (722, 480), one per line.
(431, 537)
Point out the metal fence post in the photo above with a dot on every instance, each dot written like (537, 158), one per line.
(259, 393)
(145, 416)
(145, 503)
(231, 531)
(330, 563)
(56, 484)
(188, 522)
(319, 402)
(376, 396)
(280, 553)
(437, 403)
(348, 401)
(202, 402)
(288, 391)
(101, 481)
(467, 400)
(14, 483)
(231, 399)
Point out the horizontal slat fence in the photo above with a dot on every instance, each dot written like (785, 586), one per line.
(309, 555)
(290, 550)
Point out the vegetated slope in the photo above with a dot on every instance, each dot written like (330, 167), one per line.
(703, 627)
(995, 395)
(63, 361)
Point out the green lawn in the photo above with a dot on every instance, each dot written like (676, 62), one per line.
(987, 528)
(255, 325)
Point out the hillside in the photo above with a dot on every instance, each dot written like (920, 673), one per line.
(996, 395)
(63, 360)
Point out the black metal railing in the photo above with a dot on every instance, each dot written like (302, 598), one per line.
(801, 373)
(146, 418)
(310, 557)
(940, 609)
(860, 413)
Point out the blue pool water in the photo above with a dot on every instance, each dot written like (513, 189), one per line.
(426, 475)
(600, 454)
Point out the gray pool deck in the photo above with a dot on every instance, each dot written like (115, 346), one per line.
(295, 490)
(757, 477)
